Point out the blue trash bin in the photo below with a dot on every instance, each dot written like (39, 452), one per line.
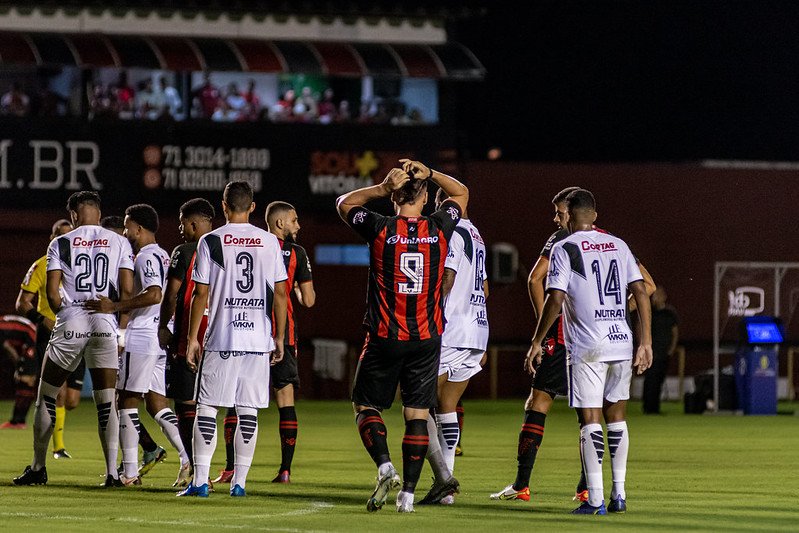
(756, 380)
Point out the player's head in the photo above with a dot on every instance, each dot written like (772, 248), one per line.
(141, 223)
(561, 209)
(196, 219)
(582, 209)
(659, 297)
(84, 208)
(60, 227)
(114, 223)
(237, 199)
(441, 197)
(282, 220)
(413, 193)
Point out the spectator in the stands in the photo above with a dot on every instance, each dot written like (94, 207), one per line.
(236, 104)
(149, 103)
(171, 98)
(253, 101)
(283, 110)
(15, 102)
(343, 114)
(327, 107)
(207, 97)
(123, 96)
(310, 108)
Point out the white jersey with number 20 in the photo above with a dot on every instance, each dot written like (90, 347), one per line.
(594, 269)
(241, 265)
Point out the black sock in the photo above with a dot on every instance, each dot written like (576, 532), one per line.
(231, 421)
(530, 438)
(373, 434)
(414, 450)
(288, 436)
(459, 412)
(186, 414)
(23, 398)
(582, 485)
(145, 440)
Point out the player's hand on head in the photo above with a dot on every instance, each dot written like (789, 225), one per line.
(277, 354)
(395, 179)
(419, 170)
(101, 305)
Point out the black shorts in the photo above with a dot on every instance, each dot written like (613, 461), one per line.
(285, 372)
(180, 379)
(550, 376)
(385, 363)
(75, 379)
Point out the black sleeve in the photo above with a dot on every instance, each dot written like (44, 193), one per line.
(303, 272)
(447, 217)
(366, 223)
(555, 237)
(179, 263)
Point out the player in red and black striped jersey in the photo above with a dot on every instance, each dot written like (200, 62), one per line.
(18, 342)
(404, 317)
(196, 219)
(283, 222)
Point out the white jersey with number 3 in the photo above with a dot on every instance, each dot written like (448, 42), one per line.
(241, 264)
(594, 269)
(89, 258)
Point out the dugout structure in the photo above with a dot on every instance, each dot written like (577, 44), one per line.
(744, 289)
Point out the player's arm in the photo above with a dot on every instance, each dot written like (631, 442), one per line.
(643, 354)
(448, 281)
(675, 336)
(168, 303)
(535, 284)
(25, 307)
(279, 308)
(305, 293)
(649, 283)
(552, 306)
(53, 292)
(485, 288)
(393, 181)
(149, 296)
(457, 191)
(199, 301)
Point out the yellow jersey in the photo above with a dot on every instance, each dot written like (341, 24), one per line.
(36, 282)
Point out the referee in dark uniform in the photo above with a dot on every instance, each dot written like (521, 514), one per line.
(404, 316)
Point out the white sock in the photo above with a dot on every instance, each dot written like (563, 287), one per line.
(169, 425)
(129, 439)
(618, 444)
(592, 444)
(244, 444)
(434, 454)
(204, 442)
(43, 423)
(384, 468)
(108, 426)
(448, 434)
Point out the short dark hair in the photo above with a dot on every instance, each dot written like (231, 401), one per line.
(561, 196)
(276, 208)
(411, 191)
(83, 197)
(113, 222)
(143, 215)
(59, 223)
(197, 206)
(238, 196)
(581, 199)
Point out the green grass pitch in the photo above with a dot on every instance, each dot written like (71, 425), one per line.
(686, 473)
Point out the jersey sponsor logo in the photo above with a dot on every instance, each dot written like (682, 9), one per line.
(609, 314)
(553, 271)
(69, 335)
(394, 239)
(241, 322)
(244, 303)
(477, 299)
(227, 355)
(588, 246)
(287, 253)
(149, 271)
(481, 319)
(616, 335)
(232, 240)
(80, 242)
(746, 301)
(175, 259)
(453, 212)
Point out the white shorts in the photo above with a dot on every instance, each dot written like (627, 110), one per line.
(142, 373)
(228, 379)
(459, 364)
(591, 383)
(92, 337)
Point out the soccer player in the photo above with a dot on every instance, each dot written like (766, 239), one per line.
(196, 219)
(239, 276)
(18, 343)
(142, 364)
(88, 262)
(404, 315)
(549, 380)
(463, 346)
(283, 222)
(589, 275)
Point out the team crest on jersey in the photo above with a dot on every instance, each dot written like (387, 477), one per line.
(453, 212)
(359, 217)
(149, 271)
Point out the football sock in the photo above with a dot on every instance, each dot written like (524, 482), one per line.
(434, 455)
(244, 443)
(129, 439)
(414, 450)
(592, 443)
(373, 434)
(169, 425)
(448, 436)
(108, 426)
(145, 440)
(43, 422)
(58, 430)
(530, 438)
(459, 411)
(186, 413)
(204, 442)
(288, 436)
(23, 398)
(618, 444)
(230, 432)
